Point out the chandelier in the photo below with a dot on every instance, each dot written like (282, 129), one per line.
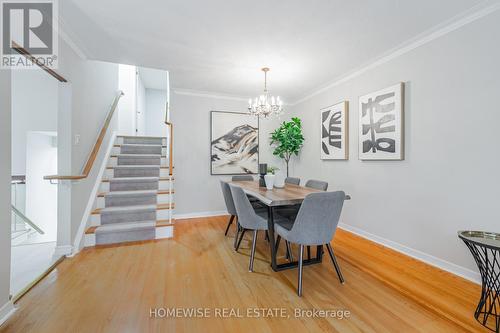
(265, 105)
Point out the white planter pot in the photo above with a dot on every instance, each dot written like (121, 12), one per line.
(269, 181)
(279, 181)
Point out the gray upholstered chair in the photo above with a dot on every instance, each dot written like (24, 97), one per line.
(317, 184)
(228, 199)
(248, 219)
(292, 180)
(242, 178)
(315, 224)
(245, 178)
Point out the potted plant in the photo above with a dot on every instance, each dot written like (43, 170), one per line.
(269, 177)
(288, 140)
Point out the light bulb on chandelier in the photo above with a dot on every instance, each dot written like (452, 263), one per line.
(265, 105)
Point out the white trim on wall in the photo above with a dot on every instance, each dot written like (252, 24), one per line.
(473, 14)
(6, 311)
(199, 214)
(416, 254)
(78, 243)
(208, 94)
(63, 33)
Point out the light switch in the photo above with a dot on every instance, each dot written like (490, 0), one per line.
(77, 139)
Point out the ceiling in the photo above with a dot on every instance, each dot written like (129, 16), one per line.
(220, 45)
(153, 78)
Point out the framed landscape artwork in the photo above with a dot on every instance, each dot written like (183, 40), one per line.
(335, 132)
(381, 124)
(234, 147)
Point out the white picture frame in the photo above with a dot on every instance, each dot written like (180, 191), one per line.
(234, 143)
(334, 129)
(381, 124)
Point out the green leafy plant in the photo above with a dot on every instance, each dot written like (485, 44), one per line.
(272, 170)
(287, 140)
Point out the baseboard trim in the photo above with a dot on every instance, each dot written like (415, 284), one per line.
(79, 243)
(199, 214)
(416, 254)
(6, 311)
(63, 250)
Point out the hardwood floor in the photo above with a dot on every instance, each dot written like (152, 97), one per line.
(113, 289)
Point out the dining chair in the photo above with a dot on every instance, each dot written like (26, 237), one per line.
(228, 199)
(245, 178)
(242, 178)
(292, 180)
(248, 219)
(315, 224)
(317, 184)
(292, 211)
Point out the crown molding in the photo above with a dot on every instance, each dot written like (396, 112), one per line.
(209, 94)
(473, 14)
(65, 32)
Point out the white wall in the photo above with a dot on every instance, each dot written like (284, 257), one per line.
(34, 103)
(141, 107)
(126, 108)
(196, 190)
(41, 195)
(449, 179)
(5, 176)
(155, 114)
(94, 86)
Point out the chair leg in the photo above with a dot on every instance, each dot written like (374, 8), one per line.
(252, 254)
(237, 233)
(267, 236)
(301, 257)
(308, 252)
(335, 263)
(229, 224)
(289, 250)
(241, 238)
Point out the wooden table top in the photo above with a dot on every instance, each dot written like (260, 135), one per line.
(289, 195)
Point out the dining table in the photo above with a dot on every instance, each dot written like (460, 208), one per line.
(289, 195)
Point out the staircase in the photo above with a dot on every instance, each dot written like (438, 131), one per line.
(134, 202)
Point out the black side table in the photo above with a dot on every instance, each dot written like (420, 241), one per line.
(485, 247)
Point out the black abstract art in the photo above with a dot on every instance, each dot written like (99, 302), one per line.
(334, 138)
(381, 126)
(234, 145)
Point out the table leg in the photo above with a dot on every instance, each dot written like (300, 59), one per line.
(270, 227)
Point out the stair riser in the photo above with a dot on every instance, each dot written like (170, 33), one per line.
(117, 173)
(159, 199)
(125, 236)
(118, 150)
(130, 140)
(160, 233)
(123, 217)
(113, 161)
(127, 149)
(161, 185)
(161, 214)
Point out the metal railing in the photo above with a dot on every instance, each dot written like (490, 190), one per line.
(26, 220)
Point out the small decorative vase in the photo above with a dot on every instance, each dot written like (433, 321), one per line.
(269, 181)
(279, 181)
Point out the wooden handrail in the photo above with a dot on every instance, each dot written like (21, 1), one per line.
(170, 143)
(21, 50)
(93, 155)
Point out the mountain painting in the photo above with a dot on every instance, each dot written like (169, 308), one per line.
(234, 145)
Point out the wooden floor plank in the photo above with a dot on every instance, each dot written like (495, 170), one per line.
(112, 289)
